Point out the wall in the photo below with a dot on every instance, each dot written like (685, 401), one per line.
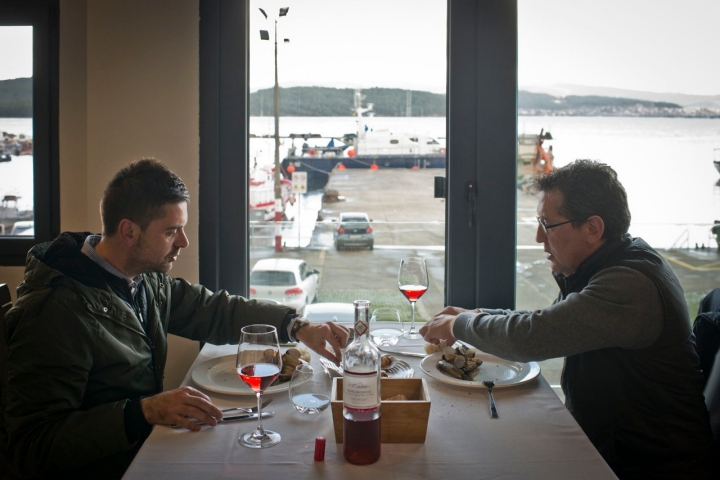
(128, 89)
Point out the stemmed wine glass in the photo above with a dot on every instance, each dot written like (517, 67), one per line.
(413, 283)
(258, 364)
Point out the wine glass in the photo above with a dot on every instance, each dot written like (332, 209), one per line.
(258, 364)
(309, 390)
(386, 327)
(413, 283)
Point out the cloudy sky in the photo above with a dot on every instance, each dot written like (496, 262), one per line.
(667, 46)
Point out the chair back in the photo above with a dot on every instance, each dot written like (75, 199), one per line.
(5, 299)
(707, 344)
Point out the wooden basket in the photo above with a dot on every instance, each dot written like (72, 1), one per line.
(400, 421)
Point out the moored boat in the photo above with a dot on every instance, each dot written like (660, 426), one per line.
(366, 148)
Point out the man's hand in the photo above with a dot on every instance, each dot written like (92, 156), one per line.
(173, 408)
(315, 336)
(441, 326)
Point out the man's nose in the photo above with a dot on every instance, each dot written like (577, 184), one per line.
(540, 234)
(181, 241)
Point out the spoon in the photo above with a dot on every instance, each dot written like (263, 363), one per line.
(493, 410)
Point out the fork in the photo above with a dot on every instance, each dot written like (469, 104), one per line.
(493, 410)
(265, 403)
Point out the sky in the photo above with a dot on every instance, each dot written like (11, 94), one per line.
(667, 46)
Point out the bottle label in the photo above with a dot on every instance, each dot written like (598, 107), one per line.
(360, 391)
(361, 327)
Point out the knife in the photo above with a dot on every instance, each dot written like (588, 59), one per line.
(231, 418)
(409, 354)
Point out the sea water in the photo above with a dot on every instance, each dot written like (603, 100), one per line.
(665, 164)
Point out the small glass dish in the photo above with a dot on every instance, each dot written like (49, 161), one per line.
(309, 390)
(386, 327)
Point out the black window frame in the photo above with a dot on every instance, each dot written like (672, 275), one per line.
(481, 147)
(44, 17)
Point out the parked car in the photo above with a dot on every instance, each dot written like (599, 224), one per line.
(354, 230)
(331, 311)
(288, 281)
(23, 227)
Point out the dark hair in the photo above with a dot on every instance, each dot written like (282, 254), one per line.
(589, 188)
(139, 192)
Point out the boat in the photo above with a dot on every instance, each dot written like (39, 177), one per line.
(365, 148)
(10, 213)
(17, 145)
(716, 159)
(261, 194)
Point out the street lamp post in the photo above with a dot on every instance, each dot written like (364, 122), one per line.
(278, 186)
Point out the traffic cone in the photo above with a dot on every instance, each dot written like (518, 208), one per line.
(374, 166)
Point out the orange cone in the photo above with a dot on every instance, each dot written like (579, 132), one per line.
(340, 166)
(374, 167)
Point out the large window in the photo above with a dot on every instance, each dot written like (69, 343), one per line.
(29, 199)
(640, 96)
(468, 237)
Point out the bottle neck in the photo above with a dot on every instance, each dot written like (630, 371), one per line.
(362, 319)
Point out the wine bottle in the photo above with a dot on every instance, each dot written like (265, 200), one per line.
(361, 393)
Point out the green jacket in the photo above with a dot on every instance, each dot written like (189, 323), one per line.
(76, 353)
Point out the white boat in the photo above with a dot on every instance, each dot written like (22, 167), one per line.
(261, 194)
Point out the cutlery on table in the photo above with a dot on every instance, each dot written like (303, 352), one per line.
(493, 410)
(265, 403)
(230, 418)
(409, 354)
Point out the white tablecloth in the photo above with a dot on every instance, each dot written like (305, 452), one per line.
(534, 438)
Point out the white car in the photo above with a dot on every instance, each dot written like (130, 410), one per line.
(331, 312)
(288, 281)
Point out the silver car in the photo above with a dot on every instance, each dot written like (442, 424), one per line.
(354, 230)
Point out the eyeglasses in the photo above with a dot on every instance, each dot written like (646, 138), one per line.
(548, 227)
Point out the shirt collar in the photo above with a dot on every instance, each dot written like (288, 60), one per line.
(88, 249)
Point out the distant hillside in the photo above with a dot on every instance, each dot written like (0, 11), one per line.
(16, 101)
(688, 102)
(16, 97)
(338, 102)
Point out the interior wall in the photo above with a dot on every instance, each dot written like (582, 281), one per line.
(142, 100)
(129, 79)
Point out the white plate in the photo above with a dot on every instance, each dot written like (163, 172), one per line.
(503, 372)
(398, 369)
(220, 375)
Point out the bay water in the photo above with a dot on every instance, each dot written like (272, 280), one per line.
(665, 164)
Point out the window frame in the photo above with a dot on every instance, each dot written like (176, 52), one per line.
(43, 16)
(480, 263)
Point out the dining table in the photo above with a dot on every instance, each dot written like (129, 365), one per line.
(534, 436)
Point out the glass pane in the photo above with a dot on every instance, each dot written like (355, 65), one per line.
(361, 138)
(16, 124)
(633, 97)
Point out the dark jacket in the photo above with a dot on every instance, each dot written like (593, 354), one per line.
(643, 409)
(77, 354)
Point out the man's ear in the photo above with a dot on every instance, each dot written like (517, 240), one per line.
(129, 232)
(595, 228)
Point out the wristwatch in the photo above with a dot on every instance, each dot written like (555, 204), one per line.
(299, 323)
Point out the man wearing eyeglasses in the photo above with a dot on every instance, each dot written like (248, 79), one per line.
(631, 377)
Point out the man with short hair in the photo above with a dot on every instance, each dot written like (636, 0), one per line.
(87, 337)
(631, 376)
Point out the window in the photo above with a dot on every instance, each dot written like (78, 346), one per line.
(29, 197)
(623, 116)
(475, 266)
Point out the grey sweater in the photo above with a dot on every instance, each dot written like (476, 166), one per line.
(620, 307)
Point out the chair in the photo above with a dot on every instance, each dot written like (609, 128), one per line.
(5, 300)
(707, 344)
